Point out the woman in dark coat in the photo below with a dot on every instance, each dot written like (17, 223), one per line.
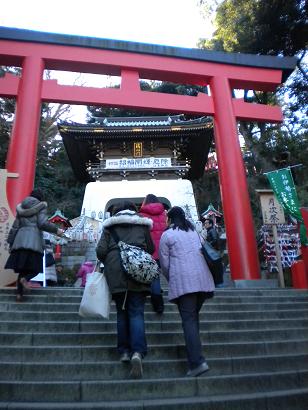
(128, 295)
(26, 239)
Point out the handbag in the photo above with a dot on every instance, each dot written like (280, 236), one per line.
(137, 264)
(211, 256)
(96, 297)
(212, 253)
(49, 260)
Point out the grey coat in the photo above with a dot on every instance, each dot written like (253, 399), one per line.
(31, 220)
(132, 229)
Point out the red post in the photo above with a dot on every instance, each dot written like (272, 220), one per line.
(58, 251)
(242, 245)
(304, 249)
(299, 275)
(22, 151)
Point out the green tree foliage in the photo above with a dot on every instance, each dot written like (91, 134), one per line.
(153, 86)
(7, 108)
(276, 27)
(53, 171)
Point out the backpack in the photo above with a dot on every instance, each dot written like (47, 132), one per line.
(137, 264)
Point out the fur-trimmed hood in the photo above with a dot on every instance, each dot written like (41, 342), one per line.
(127, 217)
(30, 206)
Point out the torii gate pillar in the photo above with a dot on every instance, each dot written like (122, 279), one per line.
(242, 247)
(21, 158)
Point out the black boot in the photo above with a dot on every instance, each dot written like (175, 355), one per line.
(157, 303)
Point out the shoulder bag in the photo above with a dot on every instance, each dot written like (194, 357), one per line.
(211, 256)
(137, 264)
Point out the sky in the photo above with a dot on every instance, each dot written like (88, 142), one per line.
(168, 22)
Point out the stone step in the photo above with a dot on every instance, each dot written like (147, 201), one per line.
(107, 390)
(94, 338)
(69, 311)
(295, 399)
(73, 353)
(153, 369)
(282, 400)
(205, 315)
(156, 351)
(152, 325)
(232, 292)
(255, 341)
(72, 292)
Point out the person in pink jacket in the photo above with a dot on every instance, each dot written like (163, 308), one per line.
(85, 268)
(152, 208)
(189, 279)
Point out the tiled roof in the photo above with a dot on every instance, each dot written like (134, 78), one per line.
(130, 122)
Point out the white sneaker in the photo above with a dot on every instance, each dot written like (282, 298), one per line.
(125, 358)
(136, 361)
(202, 368)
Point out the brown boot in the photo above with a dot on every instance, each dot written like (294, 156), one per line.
(25, 284)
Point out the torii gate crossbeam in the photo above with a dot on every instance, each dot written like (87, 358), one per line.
(34, 52)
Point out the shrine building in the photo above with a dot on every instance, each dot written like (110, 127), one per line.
(116, 148)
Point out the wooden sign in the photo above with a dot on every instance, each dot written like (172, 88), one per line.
(138, 149)
(272, 211)
(7, 276)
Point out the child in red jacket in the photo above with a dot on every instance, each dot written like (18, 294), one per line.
(86, 267)
(152, 208)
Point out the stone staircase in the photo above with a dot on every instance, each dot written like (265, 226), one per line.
(255, 342)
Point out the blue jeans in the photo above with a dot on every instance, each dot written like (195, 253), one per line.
(189, 306)
(130, 323)
(155, 287)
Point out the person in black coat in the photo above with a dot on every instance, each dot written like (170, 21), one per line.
(128, 295)
(212, 237)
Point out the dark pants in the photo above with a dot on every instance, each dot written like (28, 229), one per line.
(156, 294)
(189, 306)
(28, 276)
(217, 270)
(130, 322)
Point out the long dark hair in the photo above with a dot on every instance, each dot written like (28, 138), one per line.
(176, 215)
(122, 205)
(38, 194)
(151, 199)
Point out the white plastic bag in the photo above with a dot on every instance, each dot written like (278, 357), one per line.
(96, 297)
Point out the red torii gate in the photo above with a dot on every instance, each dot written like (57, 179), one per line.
(223, 72)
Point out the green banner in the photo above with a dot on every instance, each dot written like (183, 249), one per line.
(283, 186)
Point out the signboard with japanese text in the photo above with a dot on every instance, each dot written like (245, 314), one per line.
(7, 276)
(272, 211)
(131, 163)
(283, 186)
(138, 149)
